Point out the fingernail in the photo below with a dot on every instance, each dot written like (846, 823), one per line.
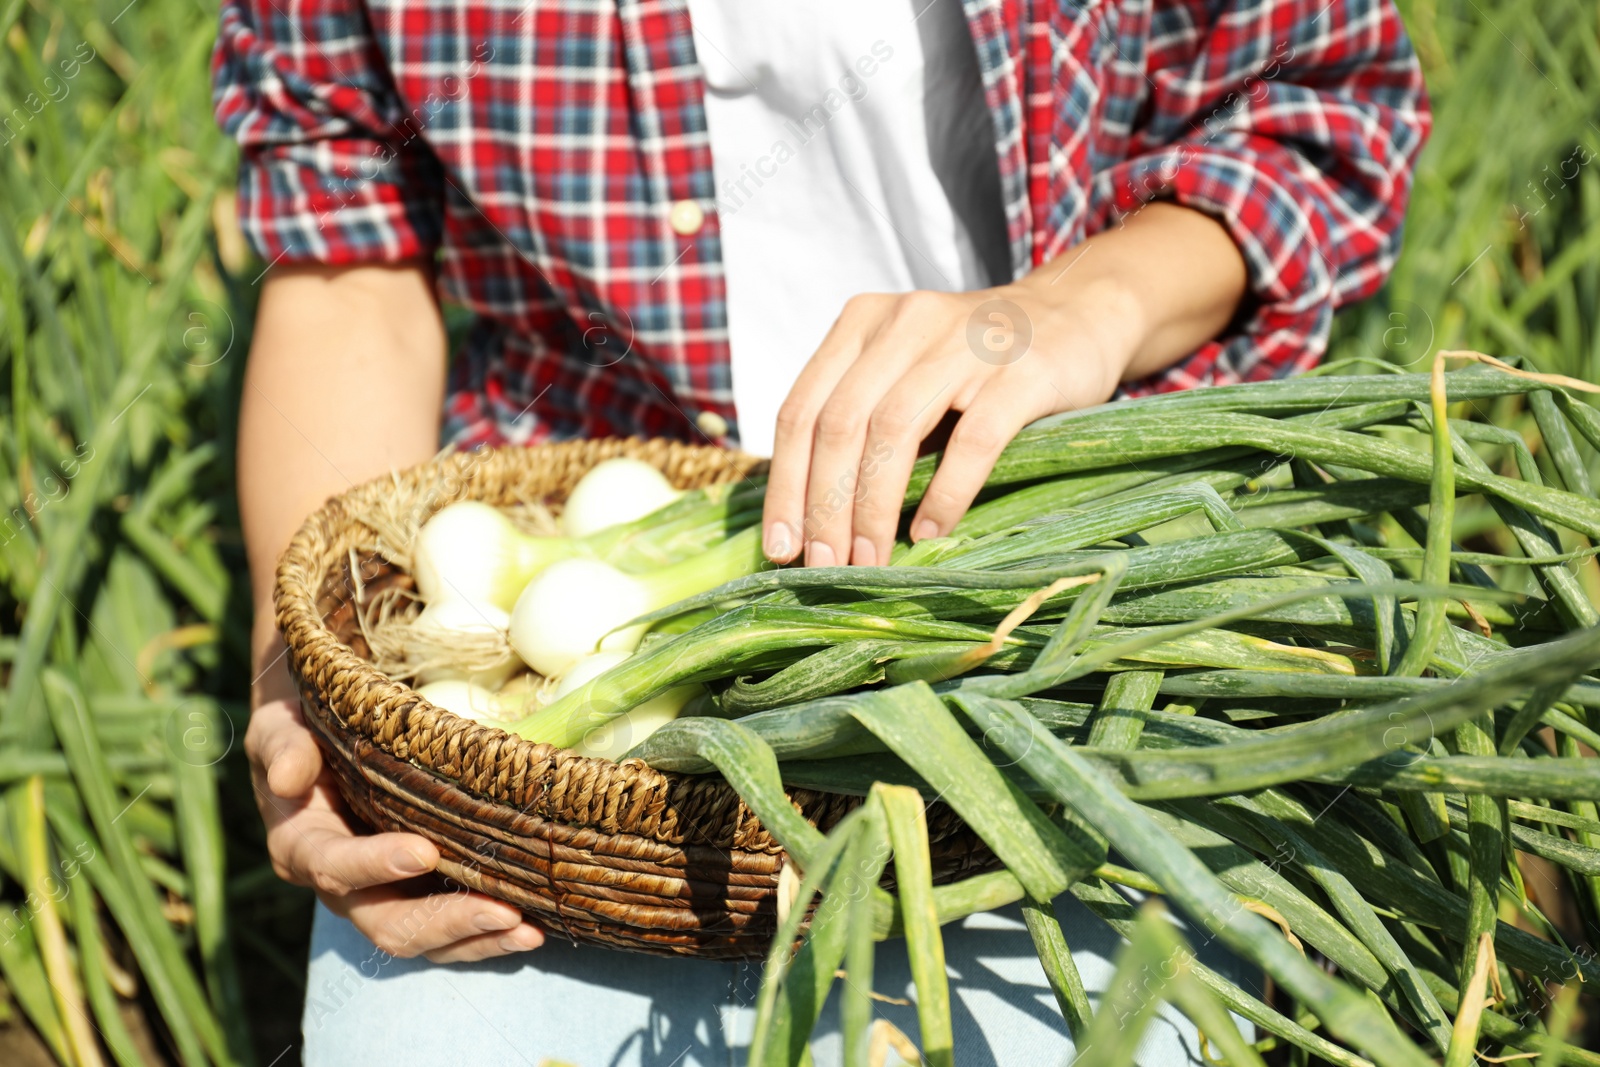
(818, 554)
(924, 529)
(409, 862)
(779, 542)
(282, 779)
(862, 554)
(490, 921)
(517, 942)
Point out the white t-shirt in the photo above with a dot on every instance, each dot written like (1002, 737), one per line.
(853, 153)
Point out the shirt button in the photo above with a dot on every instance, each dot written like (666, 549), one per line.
(686, 217)
(711, 424)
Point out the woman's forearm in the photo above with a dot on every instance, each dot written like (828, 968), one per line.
(1172, 277)
(345, 383)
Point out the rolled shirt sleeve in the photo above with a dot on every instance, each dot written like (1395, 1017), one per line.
(1295, 125)
(331, 170)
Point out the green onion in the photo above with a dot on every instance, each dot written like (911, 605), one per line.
(579, 606)
(1341, 659)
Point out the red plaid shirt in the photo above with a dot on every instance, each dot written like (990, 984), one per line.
(552, 154)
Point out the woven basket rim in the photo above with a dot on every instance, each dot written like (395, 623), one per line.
(555, 784)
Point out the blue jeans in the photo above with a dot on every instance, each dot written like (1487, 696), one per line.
(582, 1006)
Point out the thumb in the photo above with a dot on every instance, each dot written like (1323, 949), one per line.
(290, 759)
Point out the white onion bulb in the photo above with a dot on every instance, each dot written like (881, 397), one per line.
(473, 552)
(562, 615)
(442, 620)
(565, 612)
(523, 695)
(612, 739)
(461, 697)
(615, 491)
(520, 697)
(463, 617)
(587, 669)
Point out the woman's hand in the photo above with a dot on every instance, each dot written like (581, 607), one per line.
(1121, 305)
(372, 333)
(380, 882)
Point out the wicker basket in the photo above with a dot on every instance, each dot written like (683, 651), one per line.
(606, 853)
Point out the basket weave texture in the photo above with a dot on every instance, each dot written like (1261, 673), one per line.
(605, 853)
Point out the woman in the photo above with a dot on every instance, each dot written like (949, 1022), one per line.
(815, 231)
